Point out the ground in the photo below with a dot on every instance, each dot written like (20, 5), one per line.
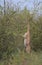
(22, 58)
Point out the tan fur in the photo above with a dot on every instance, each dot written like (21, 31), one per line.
(27, 37)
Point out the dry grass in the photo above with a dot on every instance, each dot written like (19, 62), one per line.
(23, 58)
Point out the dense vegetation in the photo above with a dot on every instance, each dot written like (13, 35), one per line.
(13, 24)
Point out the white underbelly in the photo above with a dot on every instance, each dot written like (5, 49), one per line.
(25, 41)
